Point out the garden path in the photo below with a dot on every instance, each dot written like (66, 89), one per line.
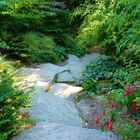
(53, 106)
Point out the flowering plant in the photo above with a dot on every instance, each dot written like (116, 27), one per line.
(122, 112)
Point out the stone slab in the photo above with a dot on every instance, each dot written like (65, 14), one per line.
(53, 131)
(65, 90)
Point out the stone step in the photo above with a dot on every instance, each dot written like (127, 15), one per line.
(54, 131)
(56, 115)
(65, 90)
(51, 108)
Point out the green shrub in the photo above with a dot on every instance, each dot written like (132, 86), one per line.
(120, 87)
(41, 18)
(12, 97)
(98, 76)
(113, 25)
(104, 75)
(37, 47)
(75, 3)
(121, 114)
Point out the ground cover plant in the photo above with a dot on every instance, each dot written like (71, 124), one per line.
(120, 86)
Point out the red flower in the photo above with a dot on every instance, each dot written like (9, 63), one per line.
(110, 120)
(106, 123)
(97, 121)
(134, 106)
(110, 127)
(113, 105)
(127, 91)
(130, 89)
(103, 113)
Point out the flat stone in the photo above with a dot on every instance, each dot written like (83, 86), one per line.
(89, 57)
(30, 74)
(65, 77)
(45, 86)
(87, 111)
(72, 58)
(25, 71)
(90, 109)
(75, 68)
(53, 131)
(48, 71)
(65, 90)
(51, 108)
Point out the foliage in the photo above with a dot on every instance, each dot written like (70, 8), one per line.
(75, 3)
(120, 86)
(121, 114)
(12, 97)
(37, 47)
(20, 18)
(113, 25)
(99, 74)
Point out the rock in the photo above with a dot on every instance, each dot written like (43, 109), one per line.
(65, 77)
(90, 109)
(87, 111)
(30, 74)
(56, 116)
(65, 90)
(76, 65)
(43, 85)
(48, 71)
(90, 57)
(72, 58)
(75, 69)
(25, 71)
(99, 98)
(53, 131)
(51, 108)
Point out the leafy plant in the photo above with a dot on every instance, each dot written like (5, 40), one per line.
(112, 25)
(37, 47)
(121, 114)
(98, 76)
(120, 87)
(27, 18)
(12, 97)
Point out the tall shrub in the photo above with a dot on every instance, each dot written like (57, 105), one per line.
(113, 25)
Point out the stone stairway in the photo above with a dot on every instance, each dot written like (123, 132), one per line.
(52, 105)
